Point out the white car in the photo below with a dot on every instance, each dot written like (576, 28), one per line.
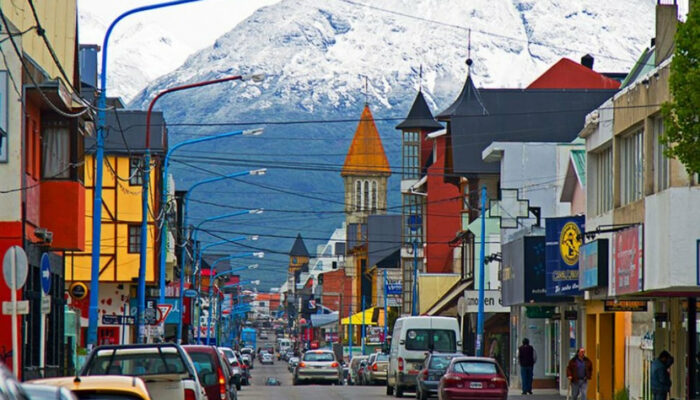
(266, 358)
(318, 365)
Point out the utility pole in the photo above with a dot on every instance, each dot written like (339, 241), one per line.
(482, 252)
(386, 314)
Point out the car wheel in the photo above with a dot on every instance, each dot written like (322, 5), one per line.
(389, 389)
(398, 390)
(421, 395)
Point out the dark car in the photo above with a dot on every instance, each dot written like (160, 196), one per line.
(473, 378)
(213, 371)
(230, 356)
(434, 368)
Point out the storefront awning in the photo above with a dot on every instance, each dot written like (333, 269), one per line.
(369, 317)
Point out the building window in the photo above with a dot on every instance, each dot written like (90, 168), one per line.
(632, 167)
(411, 155)
(134, 239)
(661, 174)
(412, 218)
(374, 196)
(55, 160)
(135, 171)
(365, 196)
(358, 195)
(604, 180)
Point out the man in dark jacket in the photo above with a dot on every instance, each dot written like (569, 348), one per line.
(660, 377)
(527, 357)
(579, 371)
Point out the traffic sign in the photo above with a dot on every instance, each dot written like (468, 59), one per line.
(118, 320)
(190, 293)
(164, 311)
(45, 304)
(22, 307)
(15, 256)
(45, 273)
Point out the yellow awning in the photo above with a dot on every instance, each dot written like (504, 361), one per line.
(357, 318)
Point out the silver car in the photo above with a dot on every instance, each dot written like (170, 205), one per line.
(318, 365)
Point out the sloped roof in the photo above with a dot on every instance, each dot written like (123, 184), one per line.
(645, 63)
(366, 154)
(125, 133)
(468, 103)
(568, 74)
(299, 248)
(419, 117)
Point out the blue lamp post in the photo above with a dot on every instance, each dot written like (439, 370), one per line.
(211, 281)
(229, 320)
(99, 159)
(197, 228)
(186, 202)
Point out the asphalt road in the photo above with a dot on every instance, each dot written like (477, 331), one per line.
(286, 390)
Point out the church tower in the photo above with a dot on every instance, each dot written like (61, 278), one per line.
(365, 174)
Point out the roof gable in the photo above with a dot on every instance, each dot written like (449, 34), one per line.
(568, 74)
(419, 117)
(366, 154)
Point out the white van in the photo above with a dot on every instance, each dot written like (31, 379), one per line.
(411, 339)
(283, 345)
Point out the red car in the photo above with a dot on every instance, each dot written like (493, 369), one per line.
(473, 378)
(213, 371)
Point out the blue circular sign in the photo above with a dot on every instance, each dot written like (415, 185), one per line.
(45, 273)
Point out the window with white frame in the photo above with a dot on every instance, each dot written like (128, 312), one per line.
(661, 173)
(358, 195)
(135, 171)
(604, 180)
(632, 167)
(365, 195)
(374, 196)
(411, 155)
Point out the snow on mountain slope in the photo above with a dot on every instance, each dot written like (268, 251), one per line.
(316, 53)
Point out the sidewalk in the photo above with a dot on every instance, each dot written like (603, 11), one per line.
(538, 394)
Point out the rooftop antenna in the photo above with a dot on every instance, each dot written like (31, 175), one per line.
(469, 52)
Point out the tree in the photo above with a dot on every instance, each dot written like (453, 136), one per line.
(682, 113)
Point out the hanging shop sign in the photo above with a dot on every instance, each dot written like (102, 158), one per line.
(625, 305)
(627, 256)
(593, 264)
(523, 271)
(564, 237)
(78, 290)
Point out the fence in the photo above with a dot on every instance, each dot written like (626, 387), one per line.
(639, 355)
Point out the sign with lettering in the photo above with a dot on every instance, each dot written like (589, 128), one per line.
(492, 301)
(627, 254)
(625, 305)
(564, 237)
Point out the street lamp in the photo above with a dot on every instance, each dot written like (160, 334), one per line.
(197, 228)
(99, 157)
(258, 254)
(147, 171)
(186, 202)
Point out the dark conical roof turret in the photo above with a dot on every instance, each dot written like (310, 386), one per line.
(299, 248)
(420, 117)
(468, 103)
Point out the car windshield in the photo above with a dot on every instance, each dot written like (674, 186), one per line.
(137, 362)
(383, 357)
(442, 340)
(320, 356)
(440, 362)
(475, 367)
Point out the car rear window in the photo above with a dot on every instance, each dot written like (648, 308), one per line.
(476, 367)
(204, 364)
(133, 362)
(442, 340)
(383, 357)
(440, 362)
(323, 356)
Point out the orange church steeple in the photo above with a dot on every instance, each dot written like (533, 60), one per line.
(366, 154)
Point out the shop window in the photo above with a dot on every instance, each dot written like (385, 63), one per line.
(134, 238)
(552, 347)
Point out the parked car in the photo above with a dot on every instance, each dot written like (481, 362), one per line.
(101, 386)
(355, 369)
(318, 365)
(266, 358)
(473, 377)
(37, 391)
(247, 351)
(429, 376)
(230, 356)
(292, 363)
(165, 368)
(412, 338)
(375, 370)
(213, 372)
(10, 388)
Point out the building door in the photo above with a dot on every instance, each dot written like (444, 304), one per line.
(606, 357)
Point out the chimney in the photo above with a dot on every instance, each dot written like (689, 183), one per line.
(88, 64)
(587, 61)
(666, 22)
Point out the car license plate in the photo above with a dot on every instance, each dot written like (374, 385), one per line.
(475, 385)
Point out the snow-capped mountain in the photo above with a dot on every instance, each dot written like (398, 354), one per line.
(317, 53)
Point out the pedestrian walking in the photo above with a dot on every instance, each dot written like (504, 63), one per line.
(527, 357)
(579, 371)
(660, 376)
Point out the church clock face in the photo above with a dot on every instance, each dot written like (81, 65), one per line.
(294, 260)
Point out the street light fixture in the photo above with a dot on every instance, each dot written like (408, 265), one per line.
(99, 166)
